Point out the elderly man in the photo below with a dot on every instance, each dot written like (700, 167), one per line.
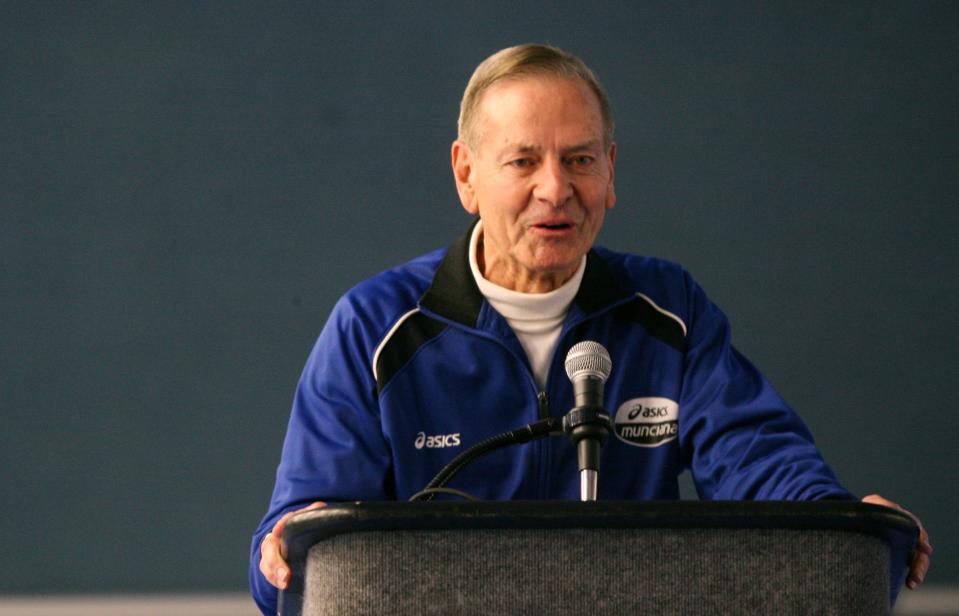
(424, 360)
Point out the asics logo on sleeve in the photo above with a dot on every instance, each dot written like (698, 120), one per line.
(436, 441)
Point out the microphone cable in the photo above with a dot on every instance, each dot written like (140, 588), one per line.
(536, 430)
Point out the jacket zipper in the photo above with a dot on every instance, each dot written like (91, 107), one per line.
(542, 479)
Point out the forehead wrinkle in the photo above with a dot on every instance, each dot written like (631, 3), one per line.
(589, 144)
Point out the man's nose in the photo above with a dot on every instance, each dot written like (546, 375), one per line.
(553, 183)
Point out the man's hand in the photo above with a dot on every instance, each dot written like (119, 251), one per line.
(919, 563)
(273, 552)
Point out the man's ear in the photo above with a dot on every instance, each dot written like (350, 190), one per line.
(462, 159)
(610, 189)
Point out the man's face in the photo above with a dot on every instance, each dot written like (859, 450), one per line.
(540, 178)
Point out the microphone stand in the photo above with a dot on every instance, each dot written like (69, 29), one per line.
(588, 427)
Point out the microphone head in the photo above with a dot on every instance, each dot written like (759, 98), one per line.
(588, 359)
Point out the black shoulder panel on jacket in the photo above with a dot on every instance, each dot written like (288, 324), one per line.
(413, 333)
(660, 326)
(454, 293)
(599, 287)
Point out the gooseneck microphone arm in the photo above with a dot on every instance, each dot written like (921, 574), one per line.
(538, 429)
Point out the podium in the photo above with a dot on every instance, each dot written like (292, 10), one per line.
(565, 558)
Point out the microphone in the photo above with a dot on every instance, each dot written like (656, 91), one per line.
(588, 366)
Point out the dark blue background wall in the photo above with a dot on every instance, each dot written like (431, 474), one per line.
(187, 188)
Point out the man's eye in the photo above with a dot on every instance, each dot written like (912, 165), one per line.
(581, 161)
(521, 163)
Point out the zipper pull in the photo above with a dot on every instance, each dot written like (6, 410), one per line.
(543, 405)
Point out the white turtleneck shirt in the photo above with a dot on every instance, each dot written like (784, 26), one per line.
(536, 318)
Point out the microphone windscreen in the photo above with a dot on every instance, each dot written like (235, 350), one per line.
(588, 358)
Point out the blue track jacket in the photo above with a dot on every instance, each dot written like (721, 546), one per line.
(414, 366)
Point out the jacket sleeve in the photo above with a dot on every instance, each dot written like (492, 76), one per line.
(740, 438)
(334, 448)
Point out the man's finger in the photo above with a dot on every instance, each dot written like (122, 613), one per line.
(919, 565)
(919, 561)
(277, 532)
(924, 546)
(917, 569)
(272, 565)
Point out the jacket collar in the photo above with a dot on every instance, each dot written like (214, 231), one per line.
(454, 295)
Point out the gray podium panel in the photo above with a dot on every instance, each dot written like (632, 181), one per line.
(577, 558)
